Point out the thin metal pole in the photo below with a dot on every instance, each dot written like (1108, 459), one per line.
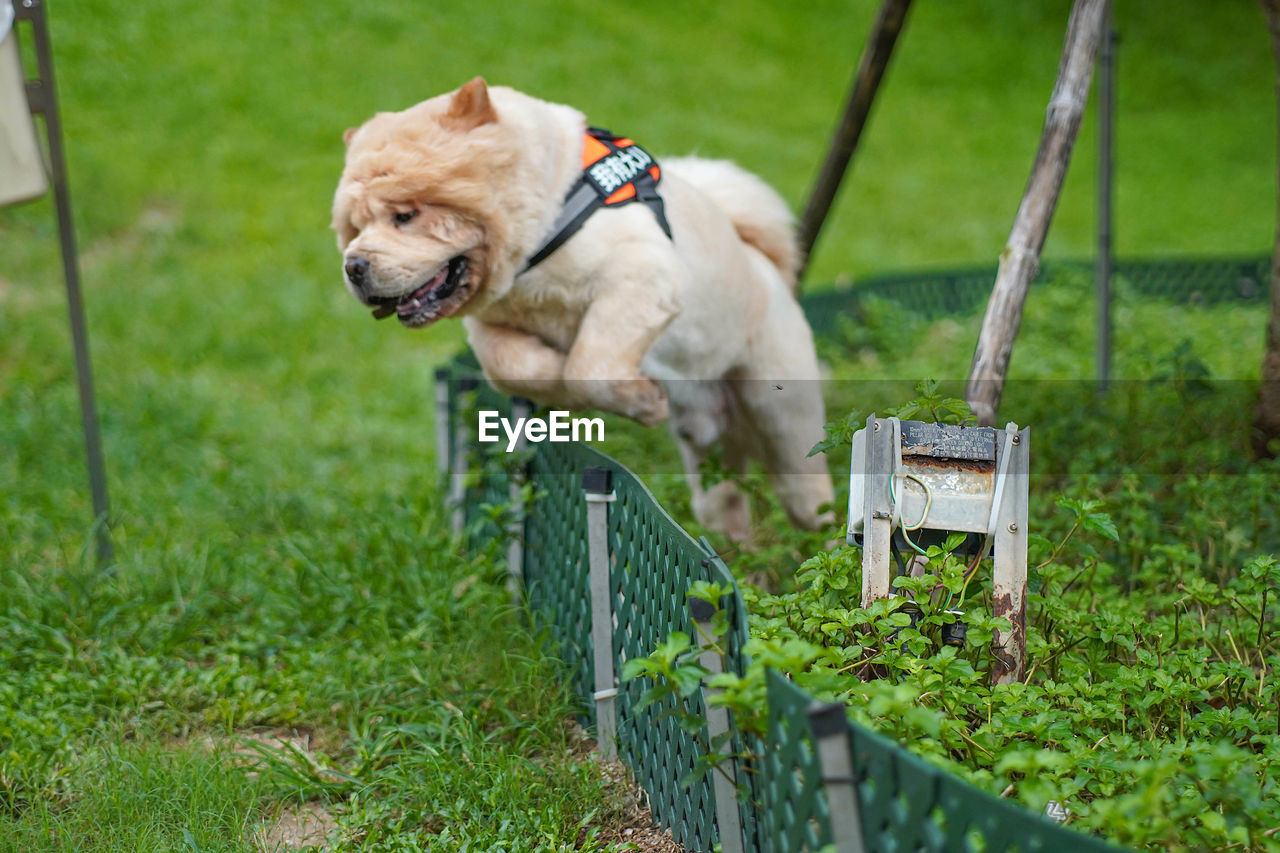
(42, 94)
(1106, 117)
(1009, 568)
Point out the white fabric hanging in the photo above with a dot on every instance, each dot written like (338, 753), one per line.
(22, 168)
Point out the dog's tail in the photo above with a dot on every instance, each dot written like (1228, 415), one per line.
(759, 215)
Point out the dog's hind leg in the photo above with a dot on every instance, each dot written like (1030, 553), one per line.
(786, 417)
(779, 394)
(721, 507)
(701, 420)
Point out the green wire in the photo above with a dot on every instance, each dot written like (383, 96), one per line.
(928, 502)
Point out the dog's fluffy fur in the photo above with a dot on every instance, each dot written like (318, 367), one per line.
(447, 200)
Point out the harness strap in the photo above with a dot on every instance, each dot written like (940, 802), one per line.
(615, 171)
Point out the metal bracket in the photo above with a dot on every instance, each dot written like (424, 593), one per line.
(974, 481)
(37, 100)
(1002, 477)
(895, 438)
(27, 10)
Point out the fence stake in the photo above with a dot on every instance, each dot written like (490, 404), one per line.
(442, 421)
(725, 778)
(458, 469)
(597, 487)
(835, 757)
(1021, 256)
(520, 409)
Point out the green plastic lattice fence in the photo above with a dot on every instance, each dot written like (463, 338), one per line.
(653, 562)
(793, 809)
(939, 293)
(905, 803)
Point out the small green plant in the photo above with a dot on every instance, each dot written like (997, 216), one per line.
(934, 407)
(930, 405)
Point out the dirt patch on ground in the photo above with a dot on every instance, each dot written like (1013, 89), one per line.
(313, 825)
(635, 824)
(247, 747)
(638, 829)
(308, 825)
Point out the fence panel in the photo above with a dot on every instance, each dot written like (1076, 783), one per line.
(555, 562)
(793, 810)
(653, 564)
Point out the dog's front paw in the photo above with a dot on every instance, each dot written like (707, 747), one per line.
(646, 401)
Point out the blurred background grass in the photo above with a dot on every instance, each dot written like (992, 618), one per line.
(259, 428)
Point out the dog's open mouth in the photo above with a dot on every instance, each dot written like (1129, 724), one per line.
(443, 294)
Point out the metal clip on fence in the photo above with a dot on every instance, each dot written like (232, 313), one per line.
(597, 487)
(725, 778)
(835, 757)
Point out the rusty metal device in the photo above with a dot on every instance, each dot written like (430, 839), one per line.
(913, 476)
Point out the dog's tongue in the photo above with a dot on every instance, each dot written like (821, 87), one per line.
(413, 301)
(425, 298)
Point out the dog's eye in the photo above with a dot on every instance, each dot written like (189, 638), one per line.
(405, 216)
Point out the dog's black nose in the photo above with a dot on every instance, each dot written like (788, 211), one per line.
(357, 269)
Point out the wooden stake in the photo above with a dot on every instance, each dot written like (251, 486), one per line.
(875, 58)
(1020, 259)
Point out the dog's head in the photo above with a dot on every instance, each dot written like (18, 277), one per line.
(415, 210)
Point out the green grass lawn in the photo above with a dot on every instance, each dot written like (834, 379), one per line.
(281, 564)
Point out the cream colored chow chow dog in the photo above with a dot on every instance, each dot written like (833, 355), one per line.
(511, 213)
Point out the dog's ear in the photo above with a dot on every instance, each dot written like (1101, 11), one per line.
(470, 107)
(347, 134)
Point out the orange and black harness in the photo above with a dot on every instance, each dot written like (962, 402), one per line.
(615, 171)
